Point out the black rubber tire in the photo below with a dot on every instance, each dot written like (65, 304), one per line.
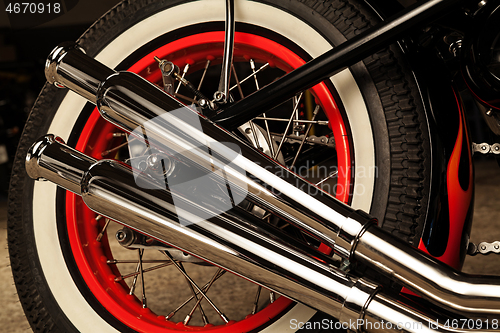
(398, 121)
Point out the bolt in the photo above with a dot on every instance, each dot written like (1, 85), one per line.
(345, 265)
(203, 103)
(219, 96)
(248, 130)
(168, 67)
(489, 113)
(120, 235)
(125, 237)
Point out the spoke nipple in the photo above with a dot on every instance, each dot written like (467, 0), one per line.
(118, 279)
(187, 319)
(170, 315)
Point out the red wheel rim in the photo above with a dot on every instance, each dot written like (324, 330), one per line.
(91, 256)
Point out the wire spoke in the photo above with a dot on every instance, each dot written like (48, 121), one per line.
(190, 282)
(184, 71)
(203, 75)
(189, 99)
(119, 261)
(237, 82)
(144, 300)
(195, 295)
(101, 234)
(190, 298)
(107, 152)
(296, 101)
(287, 127)
(252, 125)
(189, 316)
(266, 124)
(256, 302)
(261, 68)
(284, 226)
(193, 284)
(315, 113)
(149, 269)
(333, 174)
(134, 282)
(304, 121)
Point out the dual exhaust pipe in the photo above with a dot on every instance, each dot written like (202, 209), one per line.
(207, 222)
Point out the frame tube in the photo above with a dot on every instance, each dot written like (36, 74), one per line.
(330, 63)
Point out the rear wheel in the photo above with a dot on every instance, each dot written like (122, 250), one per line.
(70, 271)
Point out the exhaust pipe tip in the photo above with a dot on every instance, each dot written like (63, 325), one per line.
(54, 60)
(50, 159)
(34, 155)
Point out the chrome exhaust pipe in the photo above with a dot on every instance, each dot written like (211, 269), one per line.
(248, 247)
(140, 108)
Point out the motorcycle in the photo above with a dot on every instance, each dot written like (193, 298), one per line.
(309, 161)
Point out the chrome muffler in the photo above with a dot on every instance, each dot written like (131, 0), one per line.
(158, 120)
(239, 243)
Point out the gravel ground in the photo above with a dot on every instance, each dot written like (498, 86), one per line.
(12, 318)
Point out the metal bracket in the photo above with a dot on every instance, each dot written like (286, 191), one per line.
(167, 69)
(132, 240)
(485, 148)
(221, 96)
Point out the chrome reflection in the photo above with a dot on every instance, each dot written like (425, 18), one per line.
(132, 103)
(239, 243)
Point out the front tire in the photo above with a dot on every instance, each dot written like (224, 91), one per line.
(379, 130)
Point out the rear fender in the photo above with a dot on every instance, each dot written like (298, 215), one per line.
(450, 207)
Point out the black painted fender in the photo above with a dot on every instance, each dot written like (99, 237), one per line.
(450, 207)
